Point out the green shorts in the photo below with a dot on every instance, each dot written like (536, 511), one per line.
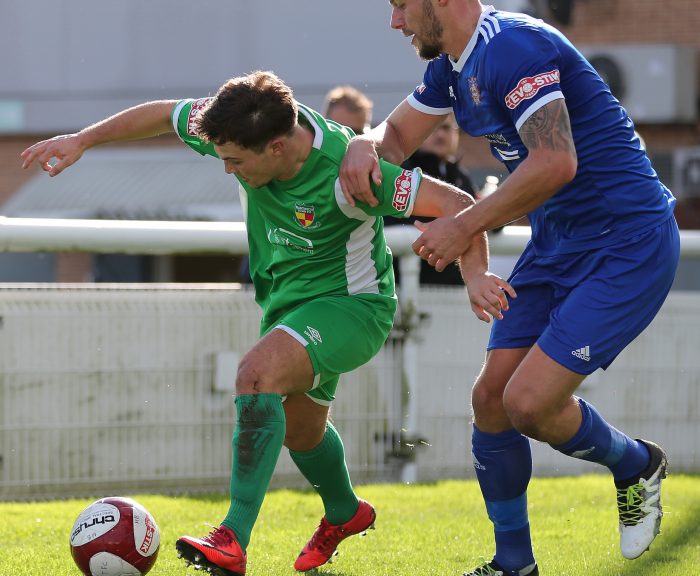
(340, 333)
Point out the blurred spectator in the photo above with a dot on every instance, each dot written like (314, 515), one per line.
(437, 157)
(350, 107)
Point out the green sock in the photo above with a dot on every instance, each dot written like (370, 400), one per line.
(325, 469)
(257, 442)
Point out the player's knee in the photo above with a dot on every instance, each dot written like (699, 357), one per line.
(252, 377)
(486, 400)
(526, 417)
(302, 439)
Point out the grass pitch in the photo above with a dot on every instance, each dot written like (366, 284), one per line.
(433, 529)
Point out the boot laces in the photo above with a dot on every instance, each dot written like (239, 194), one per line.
(220, 537)
(636, 501)
(326, 537)
(485, 570)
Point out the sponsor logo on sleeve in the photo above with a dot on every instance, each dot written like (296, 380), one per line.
(197, 107)
(528, 87)
(402, 190)
(420, 89)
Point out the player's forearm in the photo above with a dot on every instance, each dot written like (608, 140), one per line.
(386, 142)
(142, 121)
(475, 260)
(436, 198)
(393, 148)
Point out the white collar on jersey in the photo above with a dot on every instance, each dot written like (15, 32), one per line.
(318, 133)
(487, 27)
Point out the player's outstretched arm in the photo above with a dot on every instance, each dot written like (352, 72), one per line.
(143, 121)
(393, 140)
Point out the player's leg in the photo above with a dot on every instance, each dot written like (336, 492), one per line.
(341, 333)
(276, 366)
(317, 450)
(502, 457)
(540, 402)
(322, 463)
(503, 466)
(615, 293)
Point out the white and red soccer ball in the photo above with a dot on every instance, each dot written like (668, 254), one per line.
(115, 537)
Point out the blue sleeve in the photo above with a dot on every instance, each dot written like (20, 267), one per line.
(433, 95)
(522, 71)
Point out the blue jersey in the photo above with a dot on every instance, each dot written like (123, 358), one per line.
(512, 66)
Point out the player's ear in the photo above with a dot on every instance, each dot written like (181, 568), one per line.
(276, 146)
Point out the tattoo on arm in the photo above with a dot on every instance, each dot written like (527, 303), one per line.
(549, 128)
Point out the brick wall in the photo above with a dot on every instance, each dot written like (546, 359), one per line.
(622, 22)
(11, 174)
(73, 267)
(631, 21)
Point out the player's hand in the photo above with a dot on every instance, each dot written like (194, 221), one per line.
(359, 165)
(488, 295)
(442, 241)
(65, 150)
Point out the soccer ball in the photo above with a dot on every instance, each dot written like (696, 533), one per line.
(115, 537)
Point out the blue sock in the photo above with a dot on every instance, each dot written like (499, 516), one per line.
(597, 441)
(503, 464)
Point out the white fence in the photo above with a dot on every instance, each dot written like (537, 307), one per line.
(128, 387)
(652, 390)
(105, 388)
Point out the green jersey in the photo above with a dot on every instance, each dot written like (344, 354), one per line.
(305, 240)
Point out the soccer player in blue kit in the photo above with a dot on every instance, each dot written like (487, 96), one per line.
(601, 260)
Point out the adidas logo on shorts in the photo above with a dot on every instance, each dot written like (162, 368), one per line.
(478, 465)
(583, 353)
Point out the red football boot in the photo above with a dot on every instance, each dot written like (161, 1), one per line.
(325, 540)
(218, 553)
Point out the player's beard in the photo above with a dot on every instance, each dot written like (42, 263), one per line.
(430, 47)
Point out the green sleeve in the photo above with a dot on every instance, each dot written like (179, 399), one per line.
(397, 193)
(183, 116)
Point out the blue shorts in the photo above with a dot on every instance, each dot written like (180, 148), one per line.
(583, 309)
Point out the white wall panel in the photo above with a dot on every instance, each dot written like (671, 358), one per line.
(105, 388)
(652, 390)
(80, 60)
(114, 387)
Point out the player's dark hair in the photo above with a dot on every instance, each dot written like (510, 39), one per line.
(249, 111)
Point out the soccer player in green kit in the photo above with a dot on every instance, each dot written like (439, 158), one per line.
(322, 274)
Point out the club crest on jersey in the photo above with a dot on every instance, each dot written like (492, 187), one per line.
(528, 87)
(474, 89)
(402, 190)
(195, 109)
(306, 216)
